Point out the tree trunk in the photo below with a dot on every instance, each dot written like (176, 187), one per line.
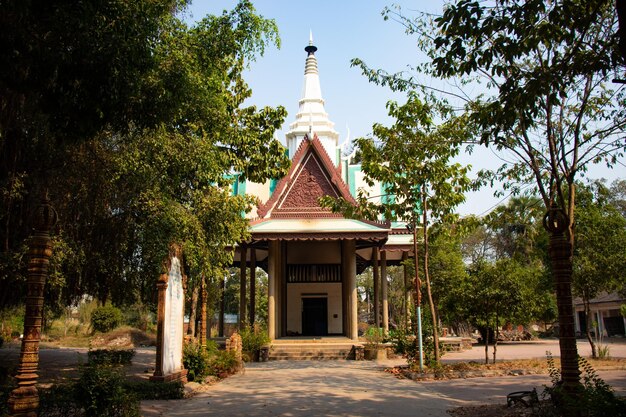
(495, 339)
(487, 345)
(588, 327)
(193, 313)
(433, 312)
(557, 224)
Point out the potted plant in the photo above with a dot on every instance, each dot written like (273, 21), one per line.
(374, 348)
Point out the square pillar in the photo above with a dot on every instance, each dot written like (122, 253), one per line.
(348, 260)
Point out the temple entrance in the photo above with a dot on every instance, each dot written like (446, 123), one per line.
(315, 316)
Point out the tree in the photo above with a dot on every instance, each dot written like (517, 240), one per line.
(152, 171)
(598, 266)
(547, 104)
(413, 158)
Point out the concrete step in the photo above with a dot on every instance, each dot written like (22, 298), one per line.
(311, 352)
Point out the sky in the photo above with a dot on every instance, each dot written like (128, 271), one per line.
(343, 30)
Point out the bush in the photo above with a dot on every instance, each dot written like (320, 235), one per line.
(196, 361)
(400, 340)
(140, 317)
(110, 356)
(595, 399)
(106, 318)
(101, 390)
(253, 340)
(146, 390)
(223, 364)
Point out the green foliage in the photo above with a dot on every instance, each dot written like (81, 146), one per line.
(595, 398)
(60, 401)
(400, 341)
(139, 316)
(110, 356)
(224, 363)
(374, 336)
(150, 169)
(252, 340)
(101, 390)
(147, 390)
(106, 318)
(12, 319)
(196, 360)
(623, 310)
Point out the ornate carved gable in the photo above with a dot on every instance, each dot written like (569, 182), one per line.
(309, 184)
(312, 175)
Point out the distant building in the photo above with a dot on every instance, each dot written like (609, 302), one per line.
(605, 311)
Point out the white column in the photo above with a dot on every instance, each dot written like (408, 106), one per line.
(384, 291)
(349, 261)
(271, 289)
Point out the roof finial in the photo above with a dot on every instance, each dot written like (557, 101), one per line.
(310, 48)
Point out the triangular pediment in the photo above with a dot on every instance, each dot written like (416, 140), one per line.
(312, 176)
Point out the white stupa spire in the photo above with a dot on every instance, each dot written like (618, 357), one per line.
(312, 117)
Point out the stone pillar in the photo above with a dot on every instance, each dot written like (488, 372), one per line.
(24, 400)
(556, 223)
(162, 290)
(376, 286)
(274, 249)
(252, 287)
(384, 291)
(349, 267)
(170, 317)
(243, 255)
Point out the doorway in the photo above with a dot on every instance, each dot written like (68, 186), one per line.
(315, 316)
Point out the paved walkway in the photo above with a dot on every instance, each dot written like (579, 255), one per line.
(349, 388)
(331, 388)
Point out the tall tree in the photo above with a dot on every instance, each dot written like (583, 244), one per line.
(547, 103)
(599, 263)
(414, 160)
(152, 171)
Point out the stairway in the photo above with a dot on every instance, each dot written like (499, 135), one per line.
(303, 350)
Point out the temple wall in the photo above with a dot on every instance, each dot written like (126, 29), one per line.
(294, 305)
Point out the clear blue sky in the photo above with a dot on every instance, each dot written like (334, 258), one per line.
(342, 30)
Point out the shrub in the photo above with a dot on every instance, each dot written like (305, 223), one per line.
(106, 318)
(196, 361)
(110, 356)
(146, 390)
(373, 337)
(59, 401)
(400, 340)
(252, 340)
(596, 398)
(101, 391)
(428, 348)
(140, 317)
(224, 363)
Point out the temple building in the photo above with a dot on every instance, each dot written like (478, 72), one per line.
(311, 255)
